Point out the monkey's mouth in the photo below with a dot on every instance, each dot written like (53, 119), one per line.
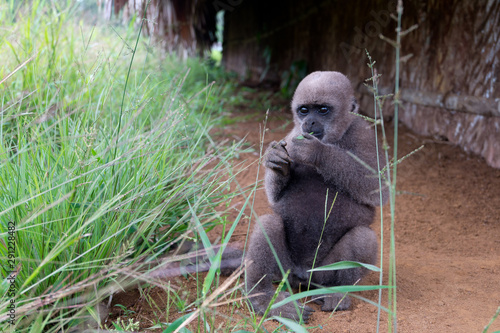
(319, 135)
(310, 131)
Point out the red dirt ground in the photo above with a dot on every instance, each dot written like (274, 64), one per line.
(447, 242)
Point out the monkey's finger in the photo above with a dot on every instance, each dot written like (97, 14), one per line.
(336, 301)
(319, 300)
(291, 312)
(307, 308)
(269, 162)
(281, 168)
(306, 313)
(283, 145)
(278, 155)
(275, 144)
(277, 147)
(281, 148)
(274, 165)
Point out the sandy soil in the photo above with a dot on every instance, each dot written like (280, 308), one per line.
(447, 240)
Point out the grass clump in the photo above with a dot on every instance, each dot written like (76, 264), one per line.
(95, 173)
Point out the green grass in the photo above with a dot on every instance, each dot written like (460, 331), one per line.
(106, 158)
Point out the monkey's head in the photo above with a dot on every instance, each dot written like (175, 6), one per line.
(322, 104)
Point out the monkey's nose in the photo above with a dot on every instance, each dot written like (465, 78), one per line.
(309, 128)
(309, 123)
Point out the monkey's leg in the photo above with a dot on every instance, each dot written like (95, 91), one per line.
(358, 244)
(264, 268)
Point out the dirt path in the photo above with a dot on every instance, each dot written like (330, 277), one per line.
(447, 239)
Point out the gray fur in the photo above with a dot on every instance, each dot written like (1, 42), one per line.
(299, 170)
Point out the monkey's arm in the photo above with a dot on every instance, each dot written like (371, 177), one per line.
(277, 163)
(341, 169)
(346, 172)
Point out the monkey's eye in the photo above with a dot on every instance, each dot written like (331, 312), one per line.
(323, 110)
(303, 110)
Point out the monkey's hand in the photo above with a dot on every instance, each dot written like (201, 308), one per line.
(277, 158)
(306, 149)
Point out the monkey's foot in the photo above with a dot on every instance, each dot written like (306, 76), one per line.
(288, 310)
(337, 301)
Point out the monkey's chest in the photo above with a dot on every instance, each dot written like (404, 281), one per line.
(306, 201)
(314, 214)
(309, 234)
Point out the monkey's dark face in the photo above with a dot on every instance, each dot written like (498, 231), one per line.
(314, 117)
(322, 104)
